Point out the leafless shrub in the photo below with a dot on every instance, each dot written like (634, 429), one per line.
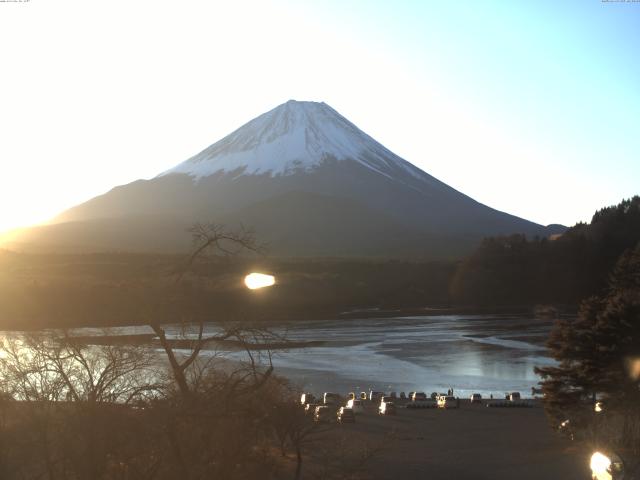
(74, 408)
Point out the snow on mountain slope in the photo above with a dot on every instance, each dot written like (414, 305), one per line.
(307, 179)
(294, 137)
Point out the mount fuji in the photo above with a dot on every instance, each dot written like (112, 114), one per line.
(306, 179)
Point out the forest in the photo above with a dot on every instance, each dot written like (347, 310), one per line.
(512, 272)
(562, 270)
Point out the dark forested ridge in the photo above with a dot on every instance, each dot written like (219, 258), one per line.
(515, 270)
(38, 290)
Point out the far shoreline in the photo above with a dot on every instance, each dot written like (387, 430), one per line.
(542, 312)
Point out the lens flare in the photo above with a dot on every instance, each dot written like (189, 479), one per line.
(255, 280)
(600, 464)
(633, 367)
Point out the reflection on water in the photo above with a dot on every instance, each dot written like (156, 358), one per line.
(485, 354)
(469, 353)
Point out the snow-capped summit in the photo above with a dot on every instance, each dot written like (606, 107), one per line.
(307, 180)
(295, 136)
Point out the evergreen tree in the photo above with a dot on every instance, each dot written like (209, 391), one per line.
(515, 270)
(593, 352)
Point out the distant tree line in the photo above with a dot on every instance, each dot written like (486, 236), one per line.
(38, 291)
(515, 270)
(43, 290)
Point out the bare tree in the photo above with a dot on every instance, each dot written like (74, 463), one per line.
(216, 239)
(208, 239)
(54, 367)
(73, 404)
(208, 395)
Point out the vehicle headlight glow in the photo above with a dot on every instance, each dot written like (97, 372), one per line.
(600, 464)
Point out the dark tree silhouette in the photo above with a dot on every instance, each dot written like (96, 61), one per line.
(593, 354)
(515, 270)
(208, 239)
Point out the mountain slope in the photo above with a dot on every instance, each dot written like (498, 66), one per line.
(297, 169)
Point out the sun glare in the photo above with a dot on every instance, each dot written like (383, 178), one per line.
(255, 280)
(599, 466)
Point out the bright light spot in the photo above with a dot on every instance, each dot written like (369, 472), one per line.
(600, 467)
(598, 407)
(259, 280)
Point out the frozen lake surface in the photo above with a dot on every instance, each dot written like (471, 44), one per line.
(469, 353)
(489, 354)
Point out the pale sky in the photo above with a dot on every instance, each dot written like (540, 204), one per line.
(532, 108)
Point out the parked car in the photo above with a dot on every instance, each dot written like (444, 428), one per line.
(447, 401)
(375, 396)
(307, 398)
(387, 408)
(356, 405)
(513, 397)
(331, 398)
(418, 396)
(346, 415)
(323, 414)
(310, 408)
(426, 403)
(403, 396)
(476, 398)
(410, 395)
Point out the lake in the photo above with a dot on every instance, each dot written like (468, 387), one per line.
(489, 354)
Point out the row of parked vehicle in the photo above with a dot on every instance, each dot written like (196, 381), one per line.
(344, 409)
(511, 400)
